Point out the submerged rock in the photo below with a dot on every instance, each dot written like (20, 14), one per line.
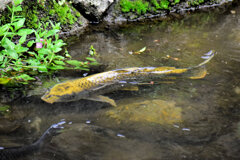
(153, 111)
(93, 10)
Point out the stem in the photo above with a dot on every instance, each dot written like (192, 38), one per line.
(11, 20)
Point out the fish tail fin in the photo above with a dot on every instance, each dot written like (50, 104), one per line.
(199, 71)
(207, 56)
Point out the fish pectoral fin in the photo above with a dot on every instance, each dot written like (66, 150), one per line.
(104, 99)
(199, 74)
(130, 88)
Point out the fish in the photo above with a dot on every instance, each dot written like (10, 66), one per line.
(14, 153)
(92, 87)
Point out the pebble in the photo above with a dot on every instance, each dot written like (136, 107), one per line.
(120, 135)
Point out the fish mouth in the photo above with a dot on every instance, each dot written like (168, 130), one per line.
(49, 98)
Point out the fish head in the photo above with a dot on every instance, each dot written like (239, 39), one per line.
(49, 98)
(59, 93)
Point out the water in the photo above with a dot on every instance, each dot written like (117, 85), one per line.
(189, 119)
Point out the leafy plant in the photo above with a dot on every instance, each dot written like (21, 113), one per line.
(21, 58)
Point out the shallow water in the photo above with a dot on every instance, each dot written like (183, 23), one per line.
(189, 119)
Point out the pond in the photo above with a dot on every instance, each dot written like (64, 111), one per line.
(187, 119)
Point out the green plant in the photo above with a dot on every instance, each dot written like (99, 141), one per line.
(142, 6)
(62, 9)
(196, 2)
(139, 6)
(21, 59)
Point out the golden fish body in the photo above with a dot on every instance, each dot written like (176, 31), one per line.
(105, 82)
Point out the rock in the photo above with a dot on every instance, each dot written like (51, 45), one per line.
(4, 3)
(150, 111)
(93, 10)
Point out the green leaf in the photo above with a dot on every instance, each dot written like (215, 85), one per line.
(82, 68)
(17, 9)
(6, 43)
(17, 2)
(91, 59)
(19, 24)
(51, 33)
(12, 53)
(74, 62)
(30, 43)
(22, 39)
(59, 57)
(44, 51)
(3, 29)
(94, 63)
(56, 67)
(59, 43)
(41, 34)
(9, 34)
(1, 57)
(42, 69)
(24, 77)
(56, 50)
(37, 36)
(4, 80)
(59, 62)
(22, 32)
(20, 49)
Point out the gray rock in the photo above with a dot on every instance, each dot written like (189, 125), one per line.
(93, 10)
(4, 3)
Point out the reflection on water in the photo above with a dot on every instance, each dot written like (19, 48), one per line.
(189, 119)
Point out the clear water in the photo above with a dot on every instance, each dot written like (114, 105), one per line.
(189, 119)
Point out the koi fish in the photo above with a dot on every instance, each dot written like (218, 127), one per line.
(92, 87)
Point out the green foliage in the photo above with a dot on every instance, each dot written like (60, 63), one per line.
(176, 1)
(138, 6)
(64, 12)
(21, 59)
(196, 2)
(142, 6)
(36, 12)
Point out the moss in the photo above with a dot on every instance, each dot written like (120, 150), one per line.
(142, 6)
(64, 13)
(36, 13)
(196, 2)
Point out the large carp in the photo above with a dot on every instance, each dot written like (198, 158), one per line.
(91, 87)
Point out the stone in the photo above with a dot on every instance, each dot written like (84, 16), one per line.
(93, 10)
(4, 3)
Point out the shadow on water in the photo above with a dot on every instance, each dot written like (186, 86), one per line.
(189, 119)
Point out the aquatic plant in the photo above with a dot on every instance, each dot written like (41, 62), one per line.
(21, 58)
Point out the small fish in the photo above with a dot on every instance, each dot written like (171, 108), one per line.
(92, 87)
